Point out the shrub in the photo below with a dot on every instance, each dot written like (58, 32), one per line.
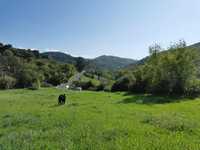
(7, 82)
(35, 85)
(105, 86)
(88, 85)
(100, 87)
(85, 85)
(192, 88)
(124, 83)
(45, 84)
(108, 88)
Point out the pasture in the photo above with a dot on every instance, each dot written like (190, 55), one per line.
(96, 121)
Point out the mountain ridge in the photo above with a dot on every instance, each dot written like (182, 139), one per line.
(103, 62)
(196, 45)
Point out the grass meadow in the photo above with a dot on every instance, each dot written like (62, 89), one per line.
(97, 121)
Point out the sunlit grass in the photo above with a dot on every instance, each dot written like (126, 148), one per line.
(96, 120)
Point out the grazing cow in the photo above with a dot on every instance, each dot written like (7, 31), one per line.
(61, 99)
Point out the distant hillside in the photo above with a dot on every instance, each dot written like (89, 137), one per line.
(197, 45)
(112, 62)
(60, 57)
(103, 62)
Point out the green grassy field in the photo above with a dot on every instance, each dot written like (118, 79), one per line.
(96, 121)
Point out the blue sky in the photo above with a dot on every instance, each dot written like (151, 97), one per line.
(91, 28)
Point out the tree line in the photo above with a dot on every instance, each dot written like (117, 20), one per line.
(25, 68)
(174, 71)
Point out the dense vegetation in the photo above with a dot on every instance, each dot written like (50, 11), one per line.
(20, 68)
(174, 71)
(96, 121)
(24, 68)
(95, 81)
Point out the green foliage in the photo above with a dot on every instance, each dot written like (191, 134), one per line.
(68, 70)
(192, 87)
(35, 85)
(30, 68)
(7, 82)
(124, 83)
(170, 72)
(103, 80)
(155, 49)
(105, 86)
(87, 83)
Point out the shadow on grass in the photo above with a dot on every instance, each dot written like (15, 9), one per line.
(66, 104)
(152, 99)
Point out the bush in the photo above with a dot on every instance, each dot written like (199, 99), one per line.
(100, 87)
(108, 88)
(7, 82)
(124, 83)
(193, 88)
(105, 86)
(46, 85)
(86, 85)
(35, 85)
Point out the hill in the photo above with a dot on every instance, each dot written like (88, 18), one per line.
(60, 57)
(112, 62)
(196, 45)
(102, 62)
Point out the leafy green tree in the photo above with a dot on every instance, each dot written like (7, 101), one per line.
(124, 83)
(155, 49)
(170, 72)
(7, 82)
(68, 71)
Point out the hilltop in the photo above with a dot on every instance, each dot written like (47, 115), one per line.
(103, 62)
